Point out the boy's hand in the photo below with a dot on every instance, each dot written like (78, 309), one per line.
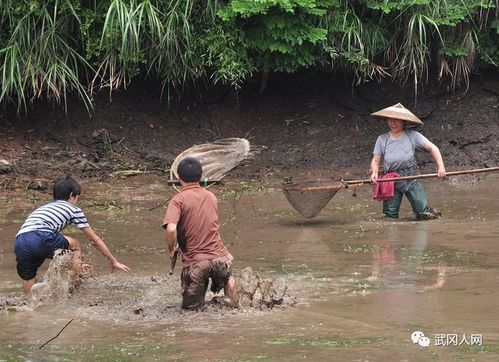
(118, 265)
(86, 267)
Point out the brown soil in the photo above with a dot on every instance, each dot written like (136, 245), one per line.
(306, 123)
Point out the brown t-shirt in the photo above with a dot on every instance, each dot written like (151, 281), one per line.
(195, 211)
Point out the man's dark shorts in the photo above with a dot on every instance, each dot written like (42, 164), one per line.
(196, 276)
(33, 247)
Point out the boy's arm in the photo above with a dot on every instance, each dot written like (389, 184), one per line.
(96, 241)
(171, 237)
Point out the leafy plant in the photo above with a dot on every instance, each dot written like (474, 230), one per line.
(39, 56)
(54, 49)
(282, 35)
(225, 55)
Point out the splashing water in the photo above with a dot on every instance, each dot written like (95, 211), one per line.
(146, 300)
(258, 292)
(57, 281)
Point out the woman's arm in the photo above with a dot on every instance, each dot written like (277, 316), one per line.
(374, 168)
(437, 156)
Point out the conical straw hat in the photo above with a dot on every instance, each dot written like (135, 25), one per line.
(398, 111)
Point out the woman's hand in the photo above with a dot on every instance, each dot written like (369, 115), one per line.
(441, 171)
(375, 168)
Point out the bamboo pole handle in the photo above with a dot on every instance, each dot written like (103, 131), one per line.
(428, 175)
(345, 184)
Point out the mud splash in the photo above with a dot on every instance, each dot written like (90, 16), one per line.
(256, 291)
(156, 299)
(57, 281)
(125, 300)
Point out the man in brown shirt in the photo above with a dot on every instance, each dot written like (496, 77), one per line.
(191, 220)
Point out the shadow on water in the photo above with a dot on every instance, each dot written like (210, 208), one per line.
(351, 285)
(318, 223)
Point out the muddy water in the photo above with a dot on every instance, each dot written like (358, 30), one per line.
(357, 287)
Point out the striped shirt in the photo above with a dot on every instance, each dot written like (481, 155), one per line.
(54, 217)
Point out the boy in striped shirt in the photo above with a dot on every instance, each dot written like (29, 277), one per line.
(40, 235)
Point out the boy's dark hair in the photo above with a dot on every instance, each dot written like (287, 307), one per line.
(190, 170)
(66, 187)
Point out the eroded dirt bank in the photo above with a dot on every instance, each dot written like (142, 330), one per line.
(305, 123)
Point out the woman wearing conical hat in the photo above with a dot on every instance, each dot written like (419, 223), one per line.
(396, 149)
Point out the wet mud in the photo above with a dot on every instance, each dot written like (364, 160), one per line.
(345, 284)
(303, 121)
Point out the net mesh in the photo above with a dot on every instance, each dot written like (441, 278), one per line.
(217, 158)
(305, 199)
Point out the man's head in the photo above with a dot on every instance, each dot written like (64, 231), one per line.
(65, 188)
(190, 170)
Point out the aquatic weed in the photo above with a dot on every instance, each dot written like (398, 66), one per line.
(233, 195)
(105, 206)
(434, 255)
(483, 349)
(333, 341)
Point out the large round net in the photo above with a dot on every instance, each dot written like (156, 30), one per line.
(309, 197)
(217, 158)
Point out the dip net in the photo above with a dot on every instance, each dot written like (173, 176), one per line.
(217, 158)
(309, 197)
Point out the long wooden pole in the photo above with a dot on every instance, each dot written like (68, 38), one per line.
(428, 175)
(345, 183)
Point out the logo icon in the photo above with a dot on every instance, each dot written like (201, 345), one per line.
(419, 338)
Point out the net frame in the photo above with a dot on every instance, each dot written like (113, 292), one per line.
(309, 197)
(217, 158)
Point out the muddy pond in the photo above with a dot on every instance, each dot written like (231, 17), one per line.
(351, 287)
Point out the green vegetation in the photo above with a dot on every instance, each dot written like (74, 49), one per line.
(114, 352)
(333, 341)
(407, 253)
(483, 349)
(54, 49)
(105, 207)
